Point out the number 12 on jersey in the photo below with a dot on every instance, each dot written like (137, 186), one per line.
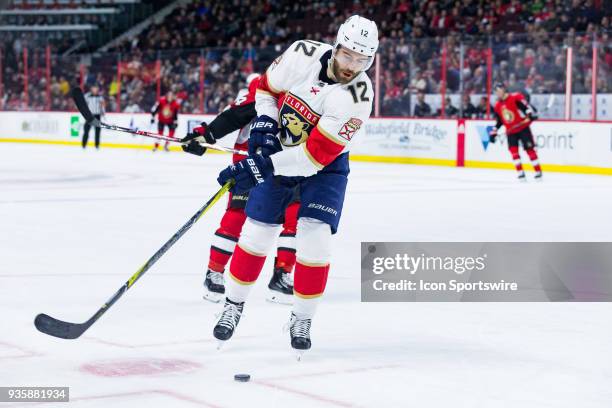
(362, 96)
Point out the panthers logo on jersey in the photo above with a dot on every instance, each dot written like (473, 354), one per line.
(297, 120)
(294, 129)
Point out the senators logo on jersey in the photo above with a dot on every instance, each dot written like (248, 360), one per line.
(507, 115)
(167, 112)
(297, 120)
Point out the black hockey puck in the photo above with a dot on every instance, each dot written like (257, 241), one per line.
(242, 377)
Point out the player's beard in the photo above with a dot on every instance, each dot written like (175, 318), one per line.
(344, 76)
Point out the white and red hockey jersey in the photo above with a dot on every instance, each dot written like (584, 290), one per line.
(318, 118)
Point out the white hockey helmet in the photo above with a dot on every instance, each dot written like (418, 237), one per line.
(360, 35)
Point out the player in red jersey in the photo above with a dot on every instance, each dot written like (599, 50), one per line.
(167, 109)
(239, 116)
(516, 114)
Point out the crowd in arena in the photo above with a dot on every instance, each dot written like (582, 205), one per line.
(527, 43)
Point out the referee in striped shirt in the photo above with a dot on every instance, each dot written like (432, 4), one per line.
(95, 101)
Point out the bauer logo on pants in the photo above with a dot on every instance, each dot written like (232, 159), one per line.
(323, 208)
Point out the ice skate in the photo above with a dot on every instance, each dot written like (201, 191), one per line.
(538, 176)
(214, 286)
(299, 331)
(281, 287)
(228, 320)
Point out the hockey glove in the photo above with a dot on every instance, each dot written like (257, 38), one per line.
(200, 134)
(247, 173)
(533, 115)
(263, 139)
(152, 119)
(493, 135)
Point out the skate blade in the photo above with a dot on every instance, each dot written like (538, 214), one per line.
(299, 354)
(279, 298)
(213, 296)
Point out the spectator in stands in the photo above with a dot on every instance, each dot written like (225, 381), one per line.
(528, 48)
(420, 83)
(133, 107)
(64, 86)
(468, 110)
(421, 109)
(520, 69)
(481, 109)
(450, 111)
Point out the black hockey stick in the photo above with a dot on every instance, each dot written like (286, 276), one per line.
(81, 104)
(67, 330)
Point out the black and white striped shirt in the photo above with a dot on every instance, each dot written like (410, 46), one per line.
(95, 103)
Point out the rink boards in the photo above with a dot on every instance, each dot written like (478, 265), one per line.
(577, 147)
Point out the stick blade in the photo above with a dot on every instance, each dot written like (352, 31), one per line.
(58, 328)
(81, 104)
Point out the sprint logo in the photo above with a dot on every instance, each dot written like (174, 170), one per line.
(483, 132)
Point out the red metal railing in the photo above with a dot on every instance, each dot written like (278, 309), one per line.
(207, 80)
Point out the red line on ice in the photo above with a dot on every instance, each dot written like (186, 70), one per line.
(304, 394)
(330, 372)
(267, 382)
(26, 353)
(133, 346)
(162, 344)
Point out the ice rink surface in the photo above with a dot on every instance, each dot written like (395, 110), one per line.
(76, 224)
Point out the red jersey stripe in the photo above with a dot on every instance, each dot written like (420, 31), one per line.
(321, 148)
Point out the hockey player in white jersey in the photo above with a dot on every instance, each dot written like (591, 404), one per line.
(311, 103)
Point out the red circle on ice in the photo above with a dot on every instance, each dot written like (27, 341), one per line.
(123, 368)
